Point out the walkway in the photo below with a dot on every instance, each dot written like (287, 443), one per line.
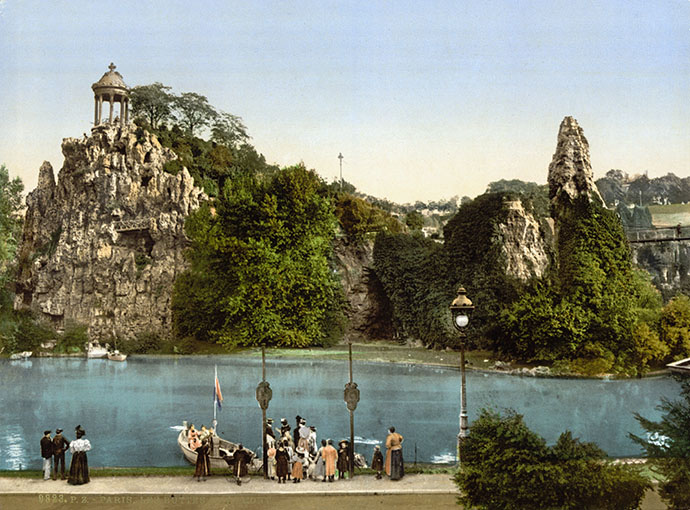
(220, 492)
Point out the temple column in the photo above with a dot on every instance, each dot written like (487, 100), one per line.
(122, 111)
(112, 107)
(100, 109)
(95, 111)
(127, 111)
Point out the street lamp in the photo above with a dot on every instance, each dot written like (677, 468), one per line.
(461, 308)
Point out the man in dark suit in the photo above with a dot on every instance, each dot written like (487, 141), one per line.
(60, 445)
(46, 453)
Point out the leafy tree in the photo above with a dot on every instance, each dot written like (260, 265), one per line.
(474, 258)
(647, 347)
(259, 264)
(152, 103)
(229, 130)
(413, 276)
(414, 220)
(193, 111)
(667, 446)
(359, 218)
(10, 233)
(504, 465)
(675, 326)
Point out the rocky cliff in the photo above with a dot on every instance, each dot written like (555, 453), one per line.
(103, 244)
(570, 172)
(368, 310)
(524, 244)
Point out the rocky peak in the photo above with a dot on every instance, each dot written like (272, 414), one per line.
(570, 171)
(103, 245)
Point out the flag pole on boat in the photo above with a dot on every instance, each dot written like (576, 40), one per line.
(217, 397)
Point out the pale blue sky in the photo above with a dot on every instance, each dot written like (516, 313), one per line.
(425, 100)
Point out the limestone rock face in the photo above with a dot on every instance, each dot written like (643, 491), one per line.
(570, 171)
(103, 245)
(368, 309)
(525, 246)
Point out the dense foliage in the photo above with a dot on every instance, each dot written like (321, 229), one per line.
(619, 187)
(590, 309)
(667, 446)
(411, 269)
(505, 465)
(359, 219)
(259, 258)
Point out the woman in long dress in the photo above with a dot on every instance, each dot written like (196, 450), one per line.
(329, 455)
(394, 459)
(203, 462)
(320, 466)
(282, 463)
(79, 467)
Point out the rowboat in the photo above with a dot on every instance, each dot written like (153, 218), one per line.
(116, 356)
(21, 355)
(221, 448)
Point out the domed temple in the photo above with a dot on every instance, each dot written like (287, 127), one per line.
(111, 88)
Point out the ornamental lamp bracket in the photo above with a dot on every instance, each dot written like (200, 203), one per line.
(351, 395)
(264, 394)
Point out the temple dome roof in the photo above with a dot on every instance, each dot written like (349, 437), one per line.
(111, 79)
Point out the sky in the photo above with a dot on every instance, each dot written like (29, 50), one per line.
(426, 100)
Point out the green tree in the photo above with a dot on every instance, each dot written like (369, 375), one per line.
(152, 103)
(667, 445)
(359, 218)
(675, 326)
(193, 111)
(229, 130)
(507, 466)
(10, 233)
(414, 220)
(259, 264)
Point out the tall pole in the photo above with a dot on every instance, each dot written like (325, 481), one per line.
(340, 157)
(463, 399)
(263, 414)
(352, 423)
(351, 396)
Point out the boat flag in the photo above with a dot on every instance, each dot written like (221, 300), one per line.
(217, 395)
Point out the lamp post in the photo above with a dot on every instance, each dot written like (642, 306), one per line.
(461, 308)
(351, 397)
(263, 397)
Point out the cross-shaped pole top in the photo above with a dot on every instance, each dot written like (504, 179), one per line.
(112, 67)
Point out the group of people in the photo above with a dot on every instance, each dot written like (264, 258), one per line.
(53, 452)
(302, 460)
(202, 442)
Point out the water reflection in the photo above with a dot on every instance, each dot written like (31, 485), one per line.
(132, 411)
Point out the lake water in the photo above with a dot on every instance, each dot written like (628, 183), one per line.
(132, 411)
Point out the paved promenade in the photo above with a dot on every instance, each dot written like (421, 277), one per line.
(219, 492)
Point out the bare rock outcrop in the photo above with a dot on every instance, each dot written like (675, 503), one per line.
(570, 172)
(524, 244)
(368, 310)
(103, 245)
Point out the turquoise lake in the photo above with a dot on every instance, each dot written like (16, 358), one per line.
(132, 411)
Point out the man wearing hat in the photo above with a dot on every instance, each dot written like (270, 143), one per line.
(46, 453)
(270, 434)
(60, 445)
(284, 427)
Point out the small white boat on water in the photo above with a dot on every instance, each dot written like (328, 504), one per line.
(95, 350)
(222, 451)
(21, 355)
(221, 448)
(116, 356)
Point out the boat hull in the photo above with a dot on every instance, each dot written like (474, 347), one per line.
(217, 462)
